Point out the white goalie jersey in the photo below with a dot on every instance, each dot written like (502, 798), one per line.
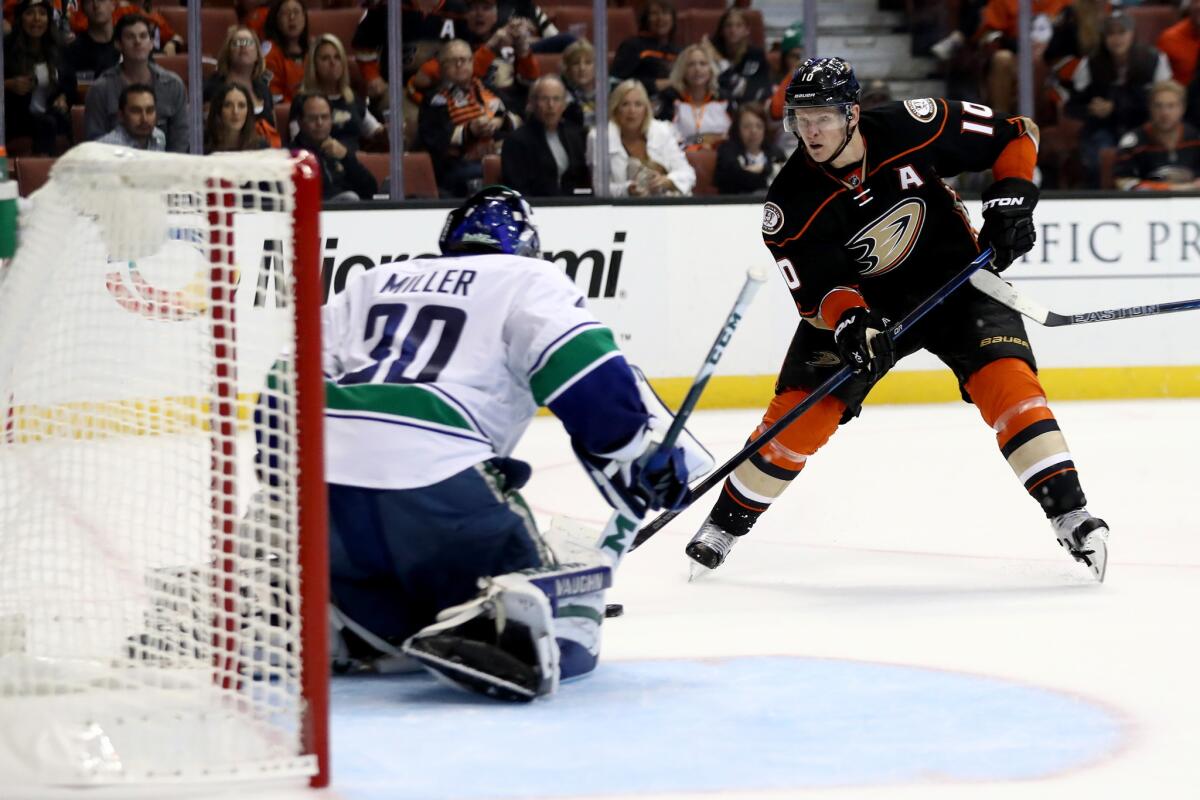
(434, 365)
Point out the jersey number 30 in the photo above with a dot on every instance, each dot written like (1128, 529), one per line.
(392, 358)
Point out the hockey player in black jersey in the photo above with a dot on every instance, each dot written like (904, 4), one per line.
(863, 228)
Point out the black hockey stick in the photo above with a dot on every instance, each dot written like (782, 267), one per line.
(1000, 290)
(832, 382)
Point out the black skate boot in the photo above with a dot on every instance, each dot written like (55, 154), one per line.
(708, 548)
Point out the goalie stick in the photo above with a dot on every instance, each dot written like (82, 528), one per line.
(1003, 292)
(832, 382)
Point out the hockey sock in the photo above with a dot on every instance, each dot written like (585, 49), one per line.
(754, 485)
(1013, 403)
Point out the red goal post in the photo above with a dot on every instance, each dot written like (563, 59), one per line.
(163, 565)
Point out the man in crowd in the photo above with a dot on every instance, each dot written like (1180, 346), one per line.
(93, 51)
(343, 177)
(1165, 152)
(134, 42)
(546, 157)
(137, 119)
(462, 122)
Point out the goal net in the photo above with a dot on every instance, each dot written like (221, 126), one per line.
(162, 589)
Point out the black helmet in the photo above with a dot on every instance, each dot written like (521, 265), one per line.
(822, 82)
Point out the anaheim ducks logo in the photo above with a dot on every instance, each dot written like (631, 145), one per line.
(884, 244)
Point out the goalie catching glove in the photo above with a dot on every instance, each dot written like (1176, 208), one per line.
(1008, 220)
(862, 339)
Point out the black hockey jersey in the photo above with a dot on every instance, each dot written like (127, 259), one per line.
(889, 227)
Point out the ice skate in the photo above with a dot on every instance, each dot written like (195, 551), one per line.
(1085, 537)
(708, 549)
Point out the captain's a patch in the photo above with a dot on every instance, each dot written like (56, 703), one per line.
(772, 218)
(922, 110)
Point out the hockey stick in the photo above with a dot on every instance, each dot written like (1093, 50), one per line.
(1000, 290)
(832, 382)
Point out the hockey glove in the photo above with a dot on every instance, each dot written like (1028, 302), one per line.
(651, 480)
(861, 337)
(1008, 220)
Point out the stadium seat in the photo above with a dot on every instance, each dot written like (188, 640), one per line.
(705, 164)
(1150, 21)
(419, 181)
(697, 22)
(548, 63)
(577, 20)
(341, 22)
(32, 173)
(214, 24)
(283, 116)
(491, 170)
(179, 65)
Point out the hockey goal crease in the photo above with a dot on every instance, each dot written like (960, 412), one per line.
(151, 630)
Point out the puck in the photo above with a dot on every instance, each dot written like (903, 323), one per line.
(614, 610)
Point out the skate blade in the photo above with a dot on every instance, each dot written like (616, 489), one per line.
(1098, 558)
(696, 570)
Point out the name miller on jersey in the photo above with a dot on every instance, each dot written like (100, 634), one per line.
(453, 281)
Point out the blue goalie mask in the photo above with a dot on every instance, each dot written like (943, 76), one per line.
(495, 219)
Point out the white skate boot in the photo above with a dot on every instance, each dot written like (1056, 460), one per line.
(708, 549)
(1085, 537)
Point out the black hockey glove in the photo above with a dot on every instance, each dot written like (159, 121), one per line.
(861, 337)
(1008, 220)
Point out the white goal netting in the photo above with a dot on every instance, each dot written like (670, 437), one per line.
(149, 607)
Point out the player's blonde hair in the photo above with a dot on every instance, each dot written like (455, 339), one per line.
(631, 86)
(679, 71)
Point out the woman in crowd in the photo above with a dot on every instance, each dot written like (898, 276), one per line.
(693, 103)
(38, 89)
(649, 55)
(645, 160)
(746, 162)
(240, 61)
(231, 126)
(743, 73)
(1110, 90)
(327, 73)
(286, 45)
(579, 76)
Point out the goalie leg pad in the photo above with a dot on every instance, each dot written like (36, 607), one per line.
(500, 644)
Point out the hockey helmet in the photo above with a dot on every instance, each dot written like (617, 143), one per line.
(820, 82)
(496, 219)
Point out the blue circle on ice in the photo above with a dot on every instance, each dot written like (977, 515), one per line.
(729, 724)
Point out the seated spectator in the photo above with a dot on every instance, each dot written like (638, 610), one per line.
(1110, 89)
(1076, 33)
(344, 178)
(997, 46)
(253, 14)
(743, 74)
(648, 56)
(791, 53)
(579, 77)
(93, 50)
(137, 120)
(162, 36)
(231, 124)
(503, 56)
(546, 37)
(328, 74)
(1192, 114)
(240, 61)
(546, 157)
(1165, 152)
(1181, 43)
(462, 122)
(426, 25)
(38, 87)
(132, 34)
(644, 157)
(285, 44)
(746, 162)
(692, 102)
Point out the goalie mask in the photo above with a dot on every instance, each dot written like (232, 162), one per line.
(820, 83)
(495, 219)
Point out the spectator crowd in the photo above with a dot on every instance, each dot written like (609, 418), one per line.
(505, 90)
